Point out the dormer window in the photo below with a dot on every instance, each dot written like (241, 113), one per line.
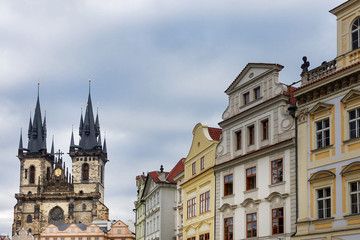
(355, 34)
(246, 97)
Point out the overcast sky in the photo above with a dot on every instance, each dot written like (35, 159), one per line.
(157, 69)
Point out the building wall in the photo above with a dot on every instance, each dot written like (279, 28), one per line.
(203, 146)
(271, 105)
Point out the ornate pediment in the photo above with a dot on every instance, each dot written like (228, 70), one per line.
(226, 206)
(351, 95)
(274, 195)
(250, 201)
(320, 107)
(322, 175)
(351, 168)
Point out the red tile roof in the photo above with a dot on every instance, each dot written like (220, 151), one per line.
(169, 176)
(176, 170)
(215, 133)
(333, 73)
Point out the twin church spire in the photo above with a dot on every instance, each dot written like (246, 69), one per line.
(89, 131)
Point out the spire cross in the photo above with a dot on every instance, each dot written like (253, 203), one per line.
(59, 153)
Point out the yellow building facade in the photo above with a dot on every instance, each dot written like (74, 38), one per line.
(199, 184)
(328, 118)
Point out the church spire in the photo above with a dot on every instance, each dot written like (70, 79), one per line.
(37, 130)
(20, 150)
(52, 147)
(88, 128)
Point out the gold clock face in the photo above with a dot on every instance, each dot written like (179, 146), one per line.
(57, 172)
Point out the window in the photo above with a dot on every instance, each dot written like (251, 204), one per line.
(251, 134)
(277, 221)
(192, 238)
(246, 98)
(48, 173)
(228, 184)
(238, 140)
(191, 208)
(202, 163)
(276, 171)
(265, 129)
(101, 174)
(251, 225)
(29, 219)
(323, 133)
(324, 203)
(355, 34)
(194, 168)
(250, 178)
(228, 228)
(32, 174)
(355, 197)
(85, 172)
(89, 238)
(205, 236)
(84, 207)
(257, 93)
(26, 173)
(354, 123)
(205, 202)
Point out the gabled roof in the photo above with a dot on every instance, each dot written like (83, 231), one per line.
(176, 170)
(270, 66)
(156, 174)
(63, 227)
(215, 133)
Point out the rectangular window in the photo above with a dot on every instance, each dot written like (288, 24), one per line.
(192, 238)
(354, 123)
(276, 171)
(74, 238)
(250, 178)
(205, 202)
(251, 225)
(194, 168)
(228, 228)
(355, 197)
(228, 185)
(89, 238)
(324, 203)
(257, 93)
(62, 238)
(265, 129)
(323, 133)
(202, 163)
(246, 98)
(238, 140)
(251, 134)
(278, 220)
(191, 208)
(205, 236)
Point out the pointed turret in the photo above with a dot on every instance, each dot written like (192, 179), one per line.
(52, 153)
(104, 146)
(99, 141)
(21, 148)
(81, 125)
(88, 138)
(97, 125)
(37, 131)
(30, 127)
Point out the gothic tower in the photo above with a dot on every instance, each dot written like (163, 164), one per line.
(49, 194)
(90, 156)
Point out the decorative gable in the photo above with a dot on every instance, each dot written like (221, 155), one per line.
(352, 95)
(251, 73)
(320, 108)
(322, 175)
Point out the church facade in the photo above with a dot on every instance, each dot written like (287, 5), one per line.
(49, 193)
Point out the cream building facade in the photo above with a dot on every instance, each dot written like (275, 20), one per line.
(199, 184)
(179, 221)
(255, 158)
(329, 137)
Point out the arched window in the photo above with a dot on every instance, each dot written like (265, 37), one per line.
(48, 173)
(32, 174)
(56, 216)
(355, 34)
(85, 172)
(101, 174)
(29, 219)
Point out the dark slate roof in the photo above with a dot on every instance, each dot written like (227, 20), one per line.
(37, 131)
(63, 227)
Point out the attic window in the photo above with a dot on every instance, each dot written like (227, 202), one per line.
(355, 34)
(257, 93)
(246, 98)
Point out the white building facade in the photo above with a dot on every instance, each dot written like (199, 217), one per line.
(255, 164)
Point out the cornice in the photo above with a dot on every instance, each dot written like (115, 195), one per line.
(255, 154)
